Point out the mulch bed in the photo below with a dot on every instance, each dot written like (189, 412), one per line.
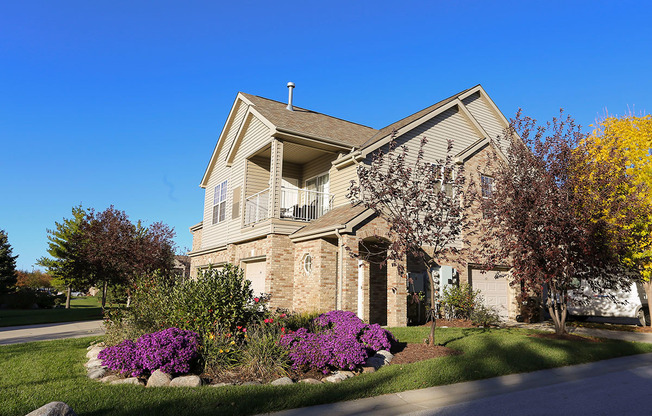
(566, 337)
(412, 353)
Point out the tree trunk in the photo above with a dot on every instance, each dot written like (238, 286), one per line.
(104, 294)
(68, 294)
(558, 314)
(648, 294)
(433, 300)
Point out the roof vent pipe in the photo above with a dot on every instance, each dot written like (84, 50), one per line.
(290, 87)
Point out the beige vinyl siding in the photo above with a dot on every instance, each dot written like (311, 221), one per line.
(450, 124)
(256, 136)
(291, 170)
(480, 109)
(340, 182)
(317, 166)
(257, 175)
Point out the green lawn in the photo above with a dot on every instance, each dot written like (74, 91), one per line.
(40, 372)
(81, 309)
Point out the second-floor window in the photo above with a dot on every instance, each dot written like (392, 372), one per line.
(487, 185)
(219, 203)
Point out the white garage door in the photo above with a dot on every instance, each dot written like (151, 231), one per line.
(255, 272)
(494, 291)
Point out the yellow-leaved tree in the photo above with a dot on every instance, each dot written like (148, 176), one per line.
(617, 188)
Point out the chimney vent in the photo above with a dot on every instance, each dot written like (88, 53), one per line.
(290, 88)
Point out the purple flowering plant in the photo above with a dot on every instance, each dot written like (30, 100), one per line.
(341, 340)
(171, 350)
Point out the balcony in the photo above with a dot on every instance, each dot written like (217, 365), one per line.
(297, 204)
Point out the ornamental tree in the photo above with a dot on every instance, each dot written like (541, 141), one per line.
(420, 200)
(7, 263)
(117, 250)
(535, 218)
(617, 188)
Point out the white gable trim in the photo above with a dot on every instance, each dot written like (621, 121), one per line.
(492, 105)
(474, 122)
(462, 156)
(251, 113)
(239, 100)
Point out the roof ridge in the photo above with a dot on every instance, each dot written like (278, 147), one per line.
(306, 109)
(373, 139)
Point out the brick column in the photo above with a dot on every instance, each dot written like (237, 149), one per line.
(396, 297)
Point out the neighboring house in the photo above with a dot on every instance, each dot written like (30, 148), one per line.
(275, 202)
(181, 266)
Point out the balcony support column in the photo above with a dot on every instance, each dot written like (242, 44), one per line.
(275, 178)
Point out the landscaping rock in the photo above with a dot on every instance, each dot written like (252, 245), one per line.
(251, 383)
(310, 381)
(346, 374)
(96, 373)
(375, 362)
(335, 378)
(53, 409)
(109, 379)
(370, 369)
(283, 381)
(99, 344)
(93, 362)
(221, 384)
(387, 356)
(130, 380)
(159, 379)
(92, 353)
(186, 381)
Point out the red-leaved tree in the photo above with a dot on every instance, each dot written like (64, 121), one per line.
(534, 219)
(420, 200)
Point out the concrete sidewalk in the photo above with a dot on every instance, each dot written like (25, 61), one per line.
(44, 332)
(437, 397)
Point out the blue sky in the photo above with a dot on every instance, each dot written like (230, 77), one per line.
(121, 102)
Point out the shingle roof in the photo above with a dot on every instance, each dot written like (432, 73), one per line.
(385, 131)
(339, 216)
(310, 122)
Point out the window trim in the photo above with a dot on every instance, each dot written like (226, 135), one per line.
(219, 201)
(492, 185)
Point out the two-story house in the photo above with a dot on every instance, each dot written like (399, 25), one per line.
(275, 202)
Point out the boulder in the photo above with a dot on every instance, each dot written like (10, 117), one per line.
(93, 362)
(92, 353)
(310, 381)
(53, 409)
(251, 383)
(283, 381)
(370, 369)
(96, 373)
(387, 356)
(335, 378)
(159, 379)
(376, 362)
(130, 380)
(109, 379)
(221, 384)
(99, 344)
(186, 381)
(345, 374)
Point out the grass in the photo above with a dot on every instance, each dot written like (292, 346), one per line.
(81, 309)
(36, 373)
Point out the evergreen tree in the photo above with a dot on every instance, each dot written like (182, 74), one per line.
(7, 264)
(67, 264)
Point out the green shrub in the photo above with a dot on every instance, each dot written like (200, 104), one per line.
(461, 299)
(263, 357)
(295, 320)
(484, 315)
(220, 351)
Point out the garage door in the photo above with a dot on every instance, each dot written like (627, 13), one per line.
(255, 272)
(494, 291)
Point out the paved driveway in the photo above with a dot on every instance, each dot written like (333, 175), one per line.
(43, 332)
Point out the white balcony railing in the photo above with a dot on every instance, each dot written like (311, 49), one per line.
(303, 204)
(256, 207)
(296, 204)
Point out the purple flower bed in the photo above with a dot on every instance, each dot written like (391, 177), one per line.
(171, 351)
(342, 341)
